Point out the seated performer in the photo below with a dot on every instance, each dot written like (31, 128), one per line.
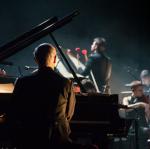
(43, 104)
(140, 111)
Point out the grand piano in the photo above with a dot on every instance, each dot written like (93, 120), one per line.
(95, 113)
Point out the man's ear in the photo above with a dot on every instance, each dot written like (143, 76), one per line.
(54, 59)
(96, 46)
(35, 60)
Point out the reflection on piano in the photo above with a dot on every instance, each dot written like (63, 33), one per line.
(6, 88)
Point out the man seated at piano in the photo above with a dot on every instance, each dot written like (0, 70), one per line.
(139, 110)
(98, 65)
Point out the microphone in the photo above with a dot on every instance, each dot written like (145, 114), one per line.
(30, 67)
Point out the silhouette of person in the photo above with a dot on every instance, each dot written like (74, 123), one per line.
(43, 104)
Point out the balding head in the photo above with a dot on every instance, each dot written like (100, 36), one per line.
(45, 55)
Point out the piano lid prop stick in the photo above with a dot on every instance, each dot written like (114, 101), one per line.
(71, 69)
(94, 81)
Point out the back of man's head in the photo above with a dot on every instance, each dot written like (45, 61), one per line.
(42, 53)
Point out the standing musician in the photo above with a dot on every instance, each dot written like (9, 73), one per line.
(98, 65)
(43, 104)
(139, 109)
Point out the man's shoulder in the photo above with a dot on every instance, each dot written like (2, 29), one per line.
(26, 77)
(66, 80)
(61, 79)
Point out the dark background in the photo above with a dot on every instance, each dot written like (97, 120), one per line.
(124, 24)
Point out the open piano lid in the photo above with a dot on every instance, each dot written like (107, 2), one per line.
(43, 29)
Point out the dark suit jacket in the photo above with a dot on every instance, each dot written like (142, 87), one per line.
(100, 65)
(41, 101)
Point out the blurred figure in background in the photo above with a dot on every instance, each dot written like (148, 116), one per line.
(145, 79)
(140, 112)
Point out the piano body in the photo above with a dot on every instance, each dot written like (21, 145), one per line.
(94, 113)
(98, 113)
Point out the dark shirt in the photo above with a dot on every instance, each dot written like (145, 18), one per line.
(100, 65)
(146, 89)
(138, 115)
(40, 101)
